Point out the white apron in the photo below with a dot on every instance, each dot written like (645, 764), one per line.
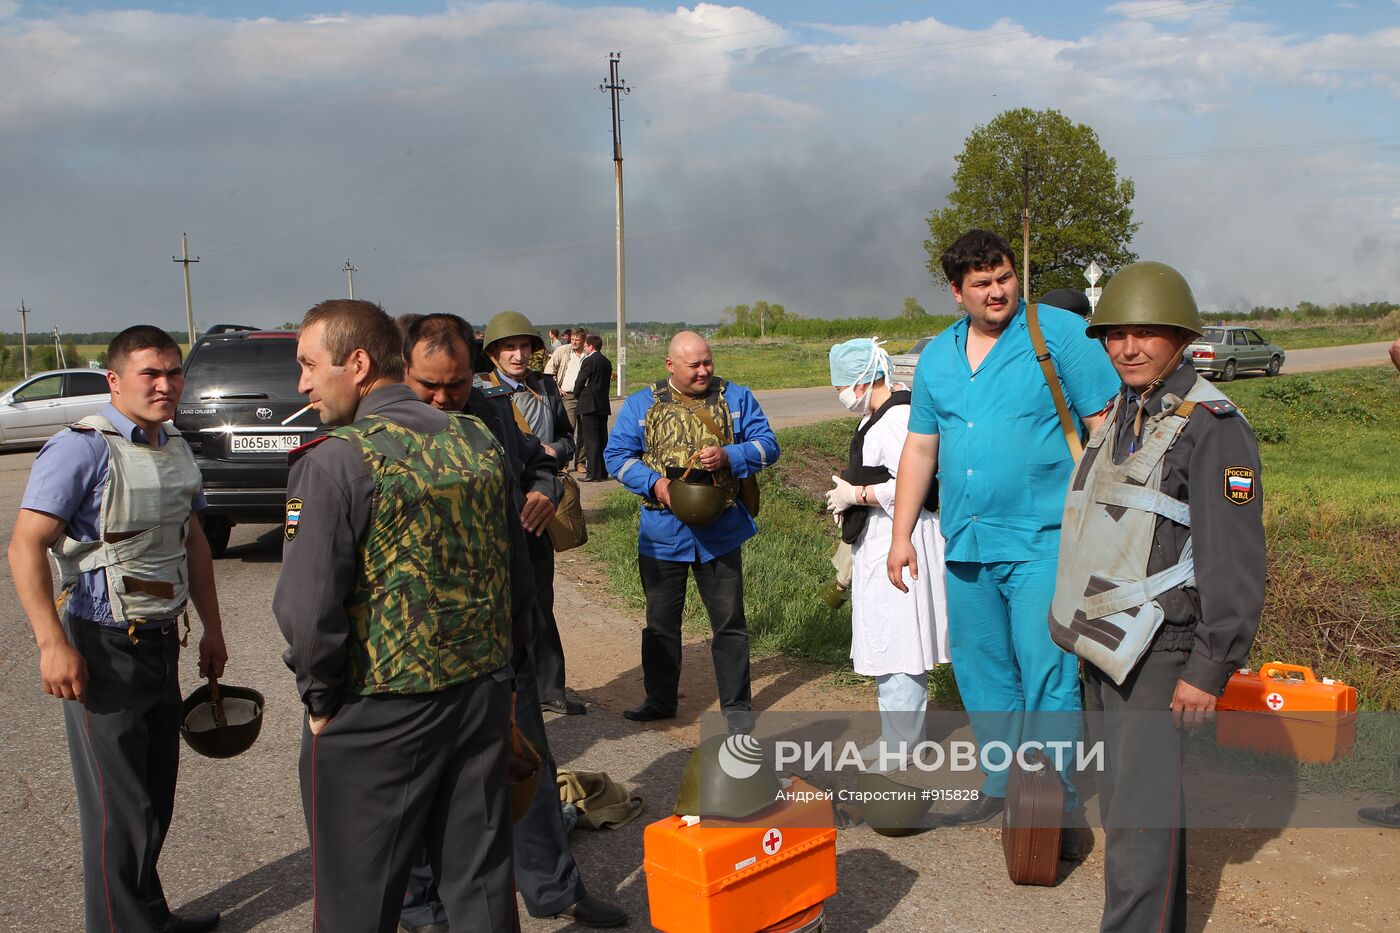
(894, 632)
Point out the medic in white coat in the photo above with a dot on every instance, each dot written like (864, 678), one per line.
(895, 637)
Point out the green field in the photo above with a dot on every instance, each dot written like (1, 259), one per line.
(1332, 516)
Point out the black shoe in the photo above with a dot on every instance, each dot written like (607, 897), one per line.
(1074, 847)
(978, 811)
(646, 713)
(589, 911)
(423, 928)
(564, 707)
(739, 722)
(1389, 817)
(189, 923)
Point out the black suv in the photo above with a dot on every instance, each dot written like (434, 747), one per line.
(240, 385)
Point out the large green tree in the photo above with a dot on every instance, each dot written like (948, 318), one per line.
(1080, 209)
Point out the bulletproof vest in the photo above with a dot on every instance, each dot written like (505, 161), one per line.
(676, 427)
(145, 516)
(1105, 608)
(858, 474)
(430, 604)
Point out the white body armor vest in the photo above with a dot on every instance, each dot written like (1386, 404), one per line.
(141, 530)
(1105, 608)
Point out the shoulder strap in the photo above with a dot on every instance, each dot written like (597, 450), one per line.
(95, 422)
(1052, 379)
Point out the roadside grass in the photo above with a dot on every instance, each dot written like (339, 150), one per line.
(1325, 335)
(1332, 518)
(758, 364)
(1329, 442)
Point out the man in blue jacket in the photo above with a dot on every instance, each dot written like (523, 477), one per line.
(692, 419)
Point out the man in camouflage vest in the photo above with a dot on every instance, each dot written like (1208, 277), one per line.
(693, 418)
(395, 601)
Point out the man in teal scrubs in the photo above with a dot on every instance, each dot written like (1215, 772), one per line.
(984, 419)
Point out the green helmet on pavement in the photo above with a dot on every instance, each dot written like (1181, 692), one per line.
(1146, 293)
(510, 324)
(728, 776)
(890, 807)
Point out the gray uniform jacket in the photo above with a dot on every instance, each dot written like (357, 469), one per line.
(1216, 619)
(322, 551)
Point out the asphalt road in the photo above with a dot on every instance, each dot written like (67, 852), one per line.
(238, 842)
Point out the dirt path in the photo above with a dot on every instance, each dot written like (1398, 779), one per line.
(1295, 880)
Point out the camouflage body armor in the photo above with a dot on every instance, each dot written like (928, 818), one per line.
(430, 606)
(676, 427)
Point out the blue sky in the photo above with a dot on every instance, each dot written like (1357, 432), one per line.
(788, 151)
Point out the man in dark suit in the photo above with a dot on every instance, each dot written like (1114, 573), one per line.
(594, 387)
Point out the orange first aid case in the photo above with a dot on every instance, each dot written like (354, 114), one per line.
(1285, 710)
(716, 876)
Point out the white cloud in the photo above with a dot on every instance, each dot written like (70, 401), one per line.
(455, 156)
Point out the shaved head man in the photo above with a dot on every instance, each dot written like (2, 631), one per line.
(692, 418)
(690, 364)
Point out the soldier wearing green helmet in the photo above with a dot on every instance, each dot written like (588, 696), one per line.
(1160, 580)
(510, 342)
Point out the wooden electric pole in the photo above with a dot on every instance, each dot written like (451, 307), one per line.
(614, 87)
(1025, 224)
(189, 303)
(350, 271)
(24, 337)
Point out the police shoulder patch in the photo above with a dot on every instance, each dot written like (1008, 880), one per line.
(1240, 484)
(1221, 407)
(293, 518)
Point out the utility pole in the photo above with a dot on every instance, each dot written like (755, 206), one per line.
(350, 271)
(58, 357)
(1025, 223)
(614, 87)
(24, 337)
(189, 303)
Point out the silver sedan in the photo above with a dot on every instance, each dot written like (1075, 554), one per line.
(35, 409)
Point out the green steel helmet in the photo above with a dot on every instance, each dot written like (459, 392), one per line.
(697, 503)
(728, 776)
(1146, 293)
(510, 324)
(891, 808)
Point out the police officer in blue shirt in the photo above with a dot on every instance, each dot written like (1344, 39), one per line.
(692, 417)
(113, 499)
(983, 417)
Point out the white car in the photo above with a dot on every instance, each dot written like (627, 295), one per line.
(903, 363)
(37, 408)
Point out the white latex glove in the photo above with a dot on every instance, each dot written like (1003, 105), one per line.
(841, 496)
(841, 560)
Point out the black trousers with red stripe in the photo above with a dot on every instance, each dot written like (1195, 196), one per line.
(1141, 800)
(124, 743)
(391, 774)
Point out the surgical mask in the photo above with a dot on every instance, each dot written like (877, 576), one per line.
(854, 403)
